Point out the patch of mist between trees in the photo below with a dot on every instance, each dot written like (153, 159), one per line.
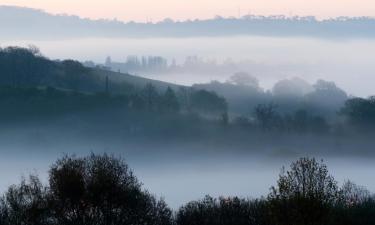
(217, 175)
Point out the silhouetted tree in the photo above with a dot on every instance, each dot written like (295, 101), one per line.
(101, 189)
(223, 211)
(304, 195)
(356, 206)
(353, 194)
(26, 203)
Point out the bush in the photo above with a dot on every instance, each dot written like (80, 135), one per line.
(98, 189)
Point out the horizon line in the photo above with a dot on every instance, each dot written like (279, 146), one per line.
(169, 19)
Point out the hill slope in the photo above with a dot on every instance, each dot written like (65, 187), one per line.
(23, 67)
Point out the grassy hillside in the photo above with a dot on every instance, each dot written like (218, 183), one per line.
(22, 67)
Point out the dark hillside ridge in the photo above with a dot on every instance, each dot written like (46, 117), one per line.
(21, 67)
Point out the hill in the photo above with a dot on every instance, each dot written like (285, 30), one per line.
(21, 67)
(18, 23)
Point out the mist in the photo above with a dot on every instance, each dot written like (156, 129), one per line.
(347, 62)
(194, 109)
(172, 173)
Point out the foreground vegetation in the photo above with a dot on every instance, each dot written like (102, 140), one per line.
(102, 190)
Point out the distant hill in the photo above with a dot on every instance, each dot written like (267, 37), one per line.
(27, 23)
(22, 67)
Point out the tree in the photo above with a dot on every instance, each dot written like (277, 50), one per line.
(76, 75)
(356, 206)
(68, 191)
(25, 203)
(170, 101)
(151, 97)
(223, 211)
(244, 79)
(208, 102)
(353, 194)
(360, 112)
(326, 97)
(304, 195)
(291, 88)
(184, 97)
(101, 190)
(266, 116)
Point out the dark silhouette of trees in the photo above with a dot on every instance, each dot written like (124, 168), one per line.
(23, 67)
(92, 190)
(228, 211)
(304, 195)
(268, 119)
(357, 206)
(76, 75)
(353, 194)
(26, 203)
(360, 112)
(208, 102)
(102, 190)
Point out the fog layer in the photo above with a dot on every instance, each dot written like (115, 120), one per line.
(347, 62)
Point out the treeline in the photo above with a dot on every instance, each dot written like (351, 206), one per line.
(135, 64)
(32, 85)
(49, 101)
(293, 105)
(306, 194)
(102, 190)
(161, 65)
(244, 93)
(357, 115)
(98, 189)
(33, 23)
(27, 67)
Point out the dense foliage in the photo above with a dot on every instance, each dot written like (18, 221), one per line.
(304, 195)
(102, 190)
(98, 189)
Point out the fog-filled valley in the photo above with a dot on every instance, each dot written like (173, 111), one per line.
(135, 123)
(169, 132)
(347, 62)
(286, 48)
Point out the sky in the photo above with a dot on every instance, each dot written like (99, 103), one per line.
(157, 10)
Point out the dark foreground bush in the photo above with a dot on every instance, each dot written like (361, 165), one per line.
(98, 189)
(228, 211)
(304, 195)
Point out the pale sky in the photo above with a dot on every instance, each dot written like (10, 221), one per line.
(156, 10)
